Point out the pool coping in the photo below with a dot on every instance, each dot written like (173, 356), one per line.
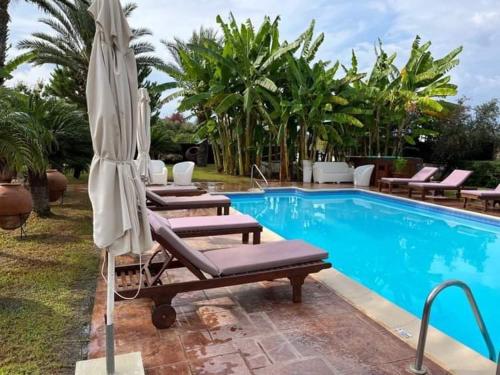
(442, 349)
(456, 212)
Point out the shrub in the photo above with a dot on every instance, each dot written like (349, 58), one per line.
(486, 173)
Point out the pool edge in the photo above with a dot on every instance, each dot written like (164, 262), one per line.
(450, 354)
(445, 351)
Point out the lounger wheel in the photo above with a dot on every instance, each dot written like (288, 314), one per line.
(163, 316)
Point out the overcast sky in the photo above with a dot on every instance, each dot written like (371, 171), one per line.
(474, 24)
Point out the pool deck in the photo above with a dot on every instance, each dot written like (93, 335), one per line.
(256, 329)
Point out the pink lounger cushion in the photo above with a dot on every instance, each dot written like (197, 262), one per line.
(263, 257)
(398, 180)
(453, 181)
(421, 176)
(484, 193)
(180, 224)
(212, 222)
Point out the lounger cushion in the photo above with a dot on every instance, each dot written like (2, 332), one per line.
(172, 189)
(185, 201)
(204, 198)
(197, 258)
(157, 221)
(491, 194)
(263, 257)
(421, 176)
(396, 180)
(433, 185)
(212, 222)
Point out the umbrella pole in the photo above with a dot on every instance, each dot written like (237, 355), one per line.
(110, 343)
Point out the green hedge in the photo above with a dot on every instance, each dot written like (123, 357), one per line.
(486, 173)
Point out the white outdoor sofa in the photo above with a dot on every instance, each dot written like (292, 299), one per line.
(332, 172)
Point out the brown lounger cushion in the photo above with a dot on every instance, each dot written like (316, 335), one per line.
(212, 222)
(197, 258)
(157, 221)
(238, 259)
(263, 257)
(158, 189)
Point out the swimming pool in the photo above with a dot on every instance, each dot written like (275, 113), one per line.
(399, 249)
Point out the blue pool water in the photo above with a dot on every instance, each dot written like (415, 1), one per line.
(401, 250)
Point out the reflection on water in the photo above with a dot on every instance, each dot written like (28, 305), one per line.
(396, 250)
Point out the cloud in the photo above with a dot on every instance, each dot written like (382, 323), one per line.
(347, 25)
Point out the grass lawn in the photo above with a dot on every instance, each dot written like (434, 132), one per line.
(47, 283)
(201, 174)
(210, 174)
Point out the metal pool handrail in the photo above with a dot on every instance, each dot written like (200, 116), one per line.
(252, 179)
(418, 367)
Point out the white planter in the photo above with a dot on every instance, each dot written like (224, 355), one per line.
(307, 171)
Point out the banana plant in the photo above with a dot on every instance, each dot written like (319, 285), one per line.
(421, 85)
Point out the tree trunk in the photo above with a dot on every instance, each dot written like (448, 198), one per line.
(39, 192)
(387, 140)
(398, 147)
(4, 33)
(270, 159)
(377, 129)
(241, 164)
(284, 172)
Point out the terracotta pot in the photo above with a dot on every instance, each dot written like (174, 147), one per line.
(15, 205)
(57, 183)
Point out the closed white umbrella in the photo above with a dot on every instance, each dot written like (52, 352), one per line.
(117, 194)
(144, 136)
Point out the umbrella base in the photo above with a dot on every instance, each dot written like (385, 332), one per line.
(125, 364)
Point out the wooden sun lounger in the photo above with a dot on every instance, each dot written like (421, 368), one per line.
(422, 175)
(157, 203)
(294, 260)
(454, 182)
(203, 226)
(485, 195)
(176, 191)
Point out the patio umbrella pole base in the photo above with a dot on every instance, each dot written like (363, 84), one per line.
(110, 349)
(126, 364)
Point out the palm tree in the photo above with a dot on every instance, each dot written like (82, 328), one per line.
(44, 131)
(191, 73)
(70, 44)
(4, 30)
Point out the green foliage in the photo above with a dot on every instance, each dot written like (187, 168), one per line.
(465, 134)
(400, 164)
(68, 46)
(486, 173)
(251, 92)
(166, 137)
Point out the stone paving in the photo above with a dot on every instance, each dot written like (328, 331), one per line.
(253, 329)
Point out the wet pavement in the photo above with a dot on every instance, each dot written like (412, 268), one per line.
(252, 329)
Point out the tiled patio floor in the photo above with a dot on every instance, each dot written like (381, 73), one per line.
(253, 329)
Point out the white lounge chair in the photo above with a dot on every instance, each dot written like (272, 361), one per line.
(332, 172)
(183, 173)
(159, 173)
(363, 175)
